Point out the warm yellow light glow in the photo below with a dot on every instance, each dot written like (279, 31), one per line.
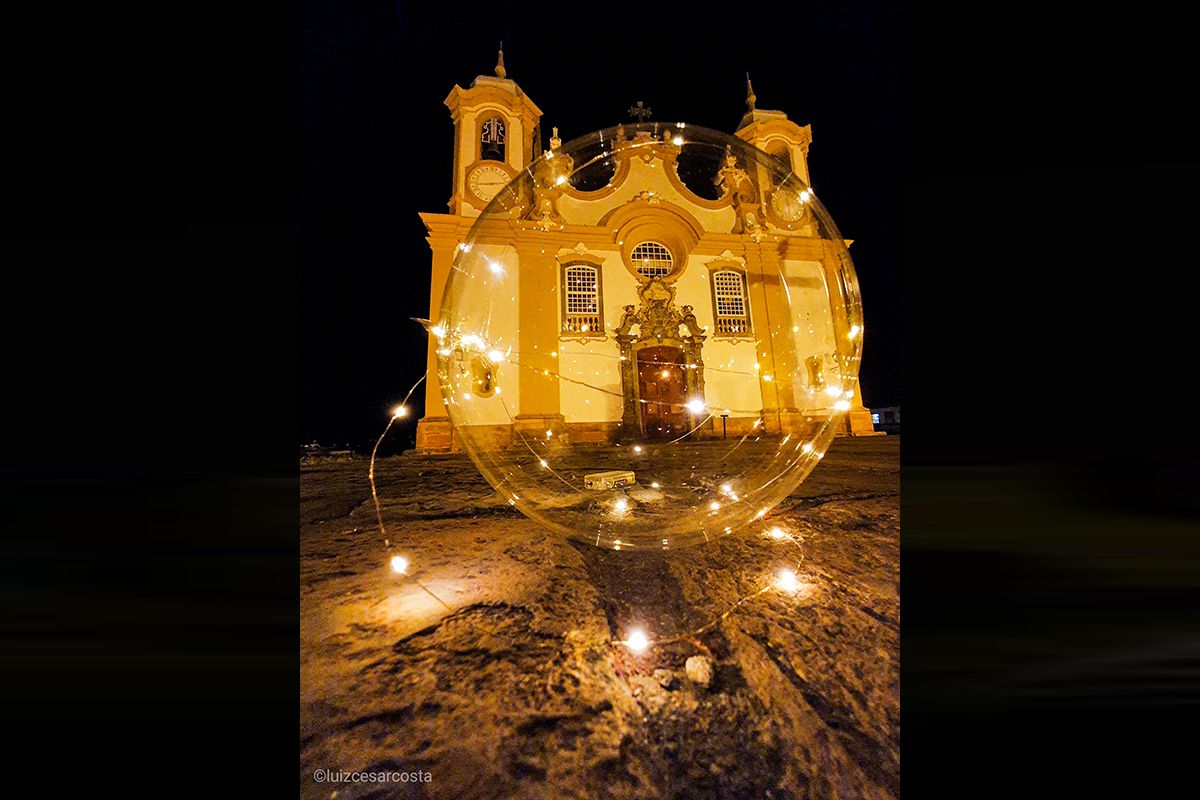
(787, 581)
(399, 564)
(777, 533)
(637, 448)
(549, 434)
(621, 505)
(767, 378)
(842, 405)
(714, 505)
(544, 462)
(832, 391)
(654, 485)
(438, 330)
(496, 267)
(560, 180)
(443, 351)
(804, 196)
(472, 340)
(677, 141)
(806, 447)
(399, 411)
(666, 374)
(637, 641)
(495, 356)
(854, 331)
(696, 405)
(726, 489)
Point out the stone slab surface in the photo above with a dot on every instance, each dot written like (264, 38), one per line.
(518, 690)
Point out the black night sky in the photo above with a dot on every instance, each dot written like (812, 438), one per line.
(378, 149)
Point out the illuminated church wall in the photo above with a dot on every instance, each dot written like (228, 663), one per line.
(583, 395)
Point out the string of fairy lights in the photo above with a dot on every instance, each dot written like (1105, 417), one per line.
(789, 581)
(786, 581)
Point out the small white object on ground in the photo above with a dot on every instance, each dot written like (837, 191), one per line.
(699, 670)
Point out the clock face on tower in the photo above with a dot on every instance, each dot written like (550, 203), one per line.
(486, 180)
(787, 204)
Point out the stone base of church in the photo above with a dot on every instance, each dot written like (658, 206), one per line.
(436, 435)
(593, 432)
(857, 422)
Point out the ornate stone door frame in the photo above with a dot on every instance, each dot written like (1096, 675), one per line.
(658, 321)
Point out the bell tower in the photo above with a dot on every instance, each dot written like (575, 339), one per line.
(495, 134)
(774, 133)
(495, 138)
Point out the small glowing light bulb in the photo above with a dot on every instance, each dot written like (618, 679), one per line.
(637, 448)
(399, 411)
(621, 505)
(496, 267)
(495, 356)
(696, 405)
(637, 641)
(560, 180)
(787, 581)
(544, 462)
(806, 447)
(777, 533)
(549, 434)
(842, 405)
(399, 564)
(666, 374)
(854, 331)
(804, 196)
(438, 330)
(714, 505)
(654, 485)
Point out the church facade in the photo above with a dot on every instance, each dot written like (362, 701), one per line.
(651, 283)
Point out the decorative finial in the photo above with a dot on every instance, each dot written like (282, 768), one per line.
(500, 70)
(555, 142)
(640, 111)
(750, 98)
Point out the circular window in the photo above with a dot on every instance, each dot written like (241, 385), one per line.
(652, 259)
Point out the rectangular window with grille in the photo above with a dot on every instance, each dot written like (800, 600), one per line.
(581, 307)
(729, 301)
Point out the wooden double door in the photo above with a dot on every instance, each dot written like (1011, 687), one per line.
(662, 392)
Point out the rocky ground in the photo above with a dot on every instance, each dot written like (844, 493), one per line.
(519, 691)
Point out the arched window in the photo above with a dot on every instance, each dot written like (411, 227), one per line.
(652, 259)
(781, 151)
(583, 312)
(729, 302)
(491, 139)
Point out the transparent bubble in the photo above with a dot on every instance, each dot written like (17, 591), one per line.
(650, 336)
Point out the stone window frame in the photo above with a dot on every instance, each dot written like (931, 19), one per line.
(671, 268)
(714, 268)
(566, 262)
